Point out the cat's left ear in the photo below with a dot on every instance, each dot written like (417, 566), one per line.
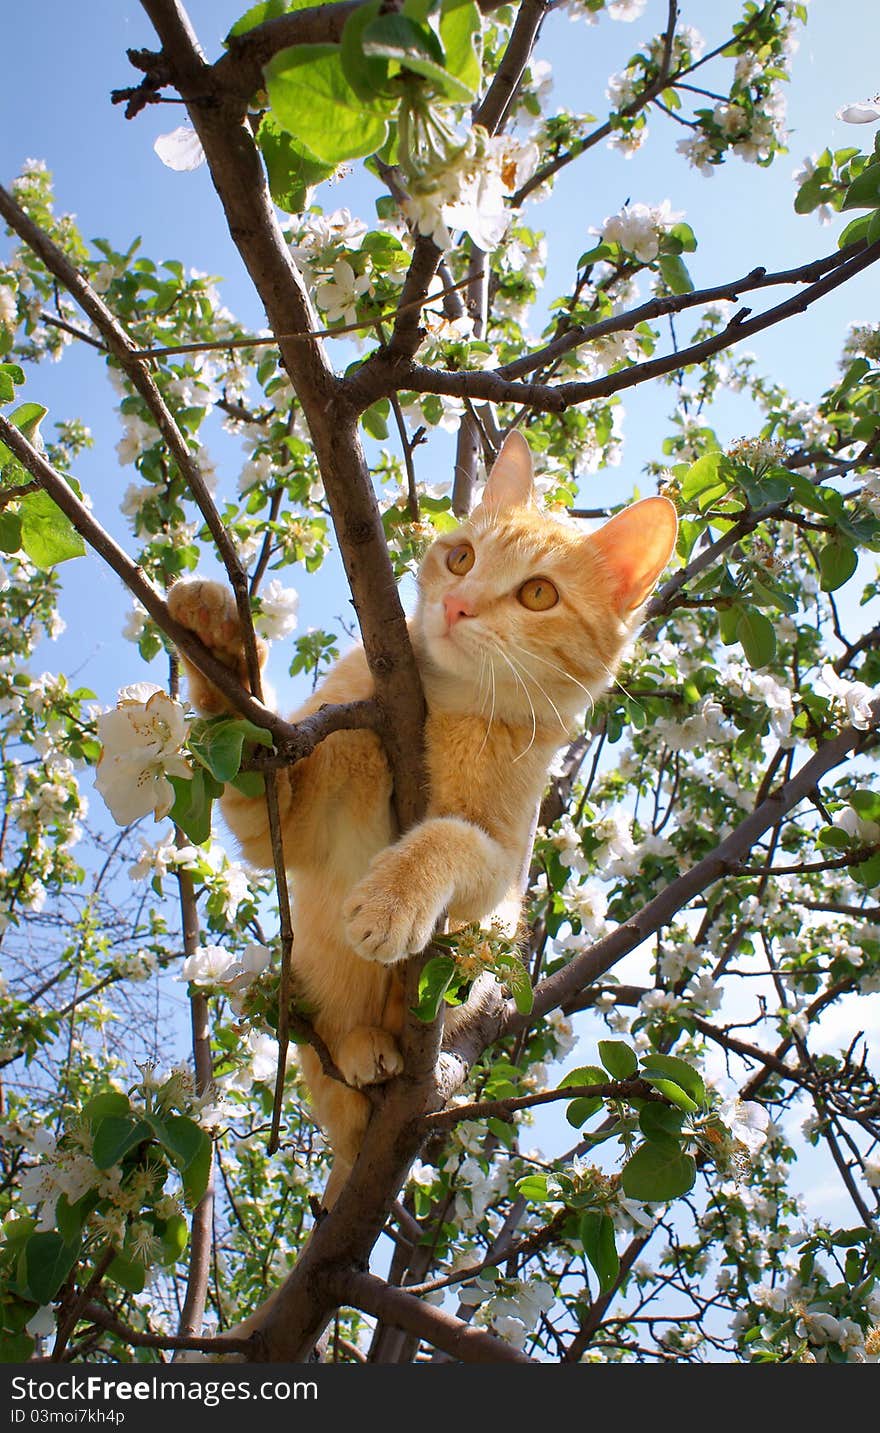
(636, 545)
(511, 481)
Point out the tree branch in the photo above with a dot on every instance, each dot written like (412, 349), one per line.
(427, 1322)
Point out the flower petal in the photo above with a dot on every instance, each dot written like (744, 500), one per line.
(181, 149)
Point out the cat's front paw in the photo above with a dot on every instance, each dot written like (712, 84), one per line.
(391, 913)
(368, 1055)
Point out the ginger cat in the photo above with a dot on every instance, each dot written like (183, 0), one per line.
(521, 621)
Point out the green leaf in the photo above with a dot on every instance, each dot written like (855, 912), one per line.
(7, 387)
(313, 100)
(584, 1075)
(597, 1237)
(115, 1135)
(110, 1102)
(217, 743)
(258, 15)
(533, 1187)
(130, 1274)
(47, 534)
(70, 1218)
(16, 1348)
(461, 33)
(434, 981)
(291, 168)
(864, 192)
(660, 1124)
(517, 979)
(416, 48)
(675, 274)
(867, 803)
(755, 632)
(10, 531)
(855, 231)
(192, 1152)
(47, 1262)
(192, 803)
(838, 561)
(27, 418)
(619, 1060)
(367, 75)
(672, 1068)
(685, 236)
(375, 419)
(174, 1238)
(582, 1109)
(656, 1173)
(705, 479)
(250, 783)
(867, 873)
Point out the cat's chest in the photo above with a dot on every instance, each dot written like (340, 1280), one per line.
(491, 775)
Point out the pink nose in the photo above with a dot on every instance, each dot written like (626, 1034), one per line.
(455, 606)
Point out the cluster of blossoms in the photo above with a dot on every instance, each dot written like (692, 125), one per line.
(463, 183)
(759, 454)
(639, 229)
(854, 699)
(141, 742)
(863, 341)
(214, 967)
(277, 615)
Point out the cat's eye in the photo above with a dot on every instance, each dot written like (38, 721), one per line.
(538, 594)
(460, 559)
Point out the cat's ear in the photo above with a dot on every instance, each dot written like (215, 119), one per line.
(510, 483)
(636, 545)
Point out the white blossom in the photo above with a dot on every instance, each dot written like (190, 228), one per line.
(856, 697)
(278, 611)
(338, 297)
(141, 742)
(639, 228)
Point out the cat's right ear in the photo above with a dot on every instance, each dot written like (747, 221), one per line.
(511, 481)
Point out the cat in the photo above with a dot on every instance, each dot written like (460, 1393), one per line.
(521, 621)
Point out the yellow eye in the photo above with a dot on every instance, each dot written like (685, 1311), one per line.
(460, 559)
(538, 594)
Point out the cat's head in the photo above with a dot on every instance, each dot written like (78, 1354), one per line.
(519, 613)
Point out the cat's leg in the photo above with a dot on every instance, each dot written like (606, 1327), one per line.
(343, 1115)
(443, 864)
(344, 783)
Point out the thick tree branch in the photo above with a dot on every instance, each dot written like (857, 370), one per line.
(238, 175)
(427, 1322)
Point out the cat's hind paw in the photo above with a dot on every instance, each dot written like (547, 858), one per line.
(208, 609)
(368, 1055)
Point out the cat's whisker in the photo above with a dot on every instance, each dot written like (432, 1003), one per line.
(614, 681)
(480, 697)
(492, 712)
(561, 670)
(520, 682)
(544, 694)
